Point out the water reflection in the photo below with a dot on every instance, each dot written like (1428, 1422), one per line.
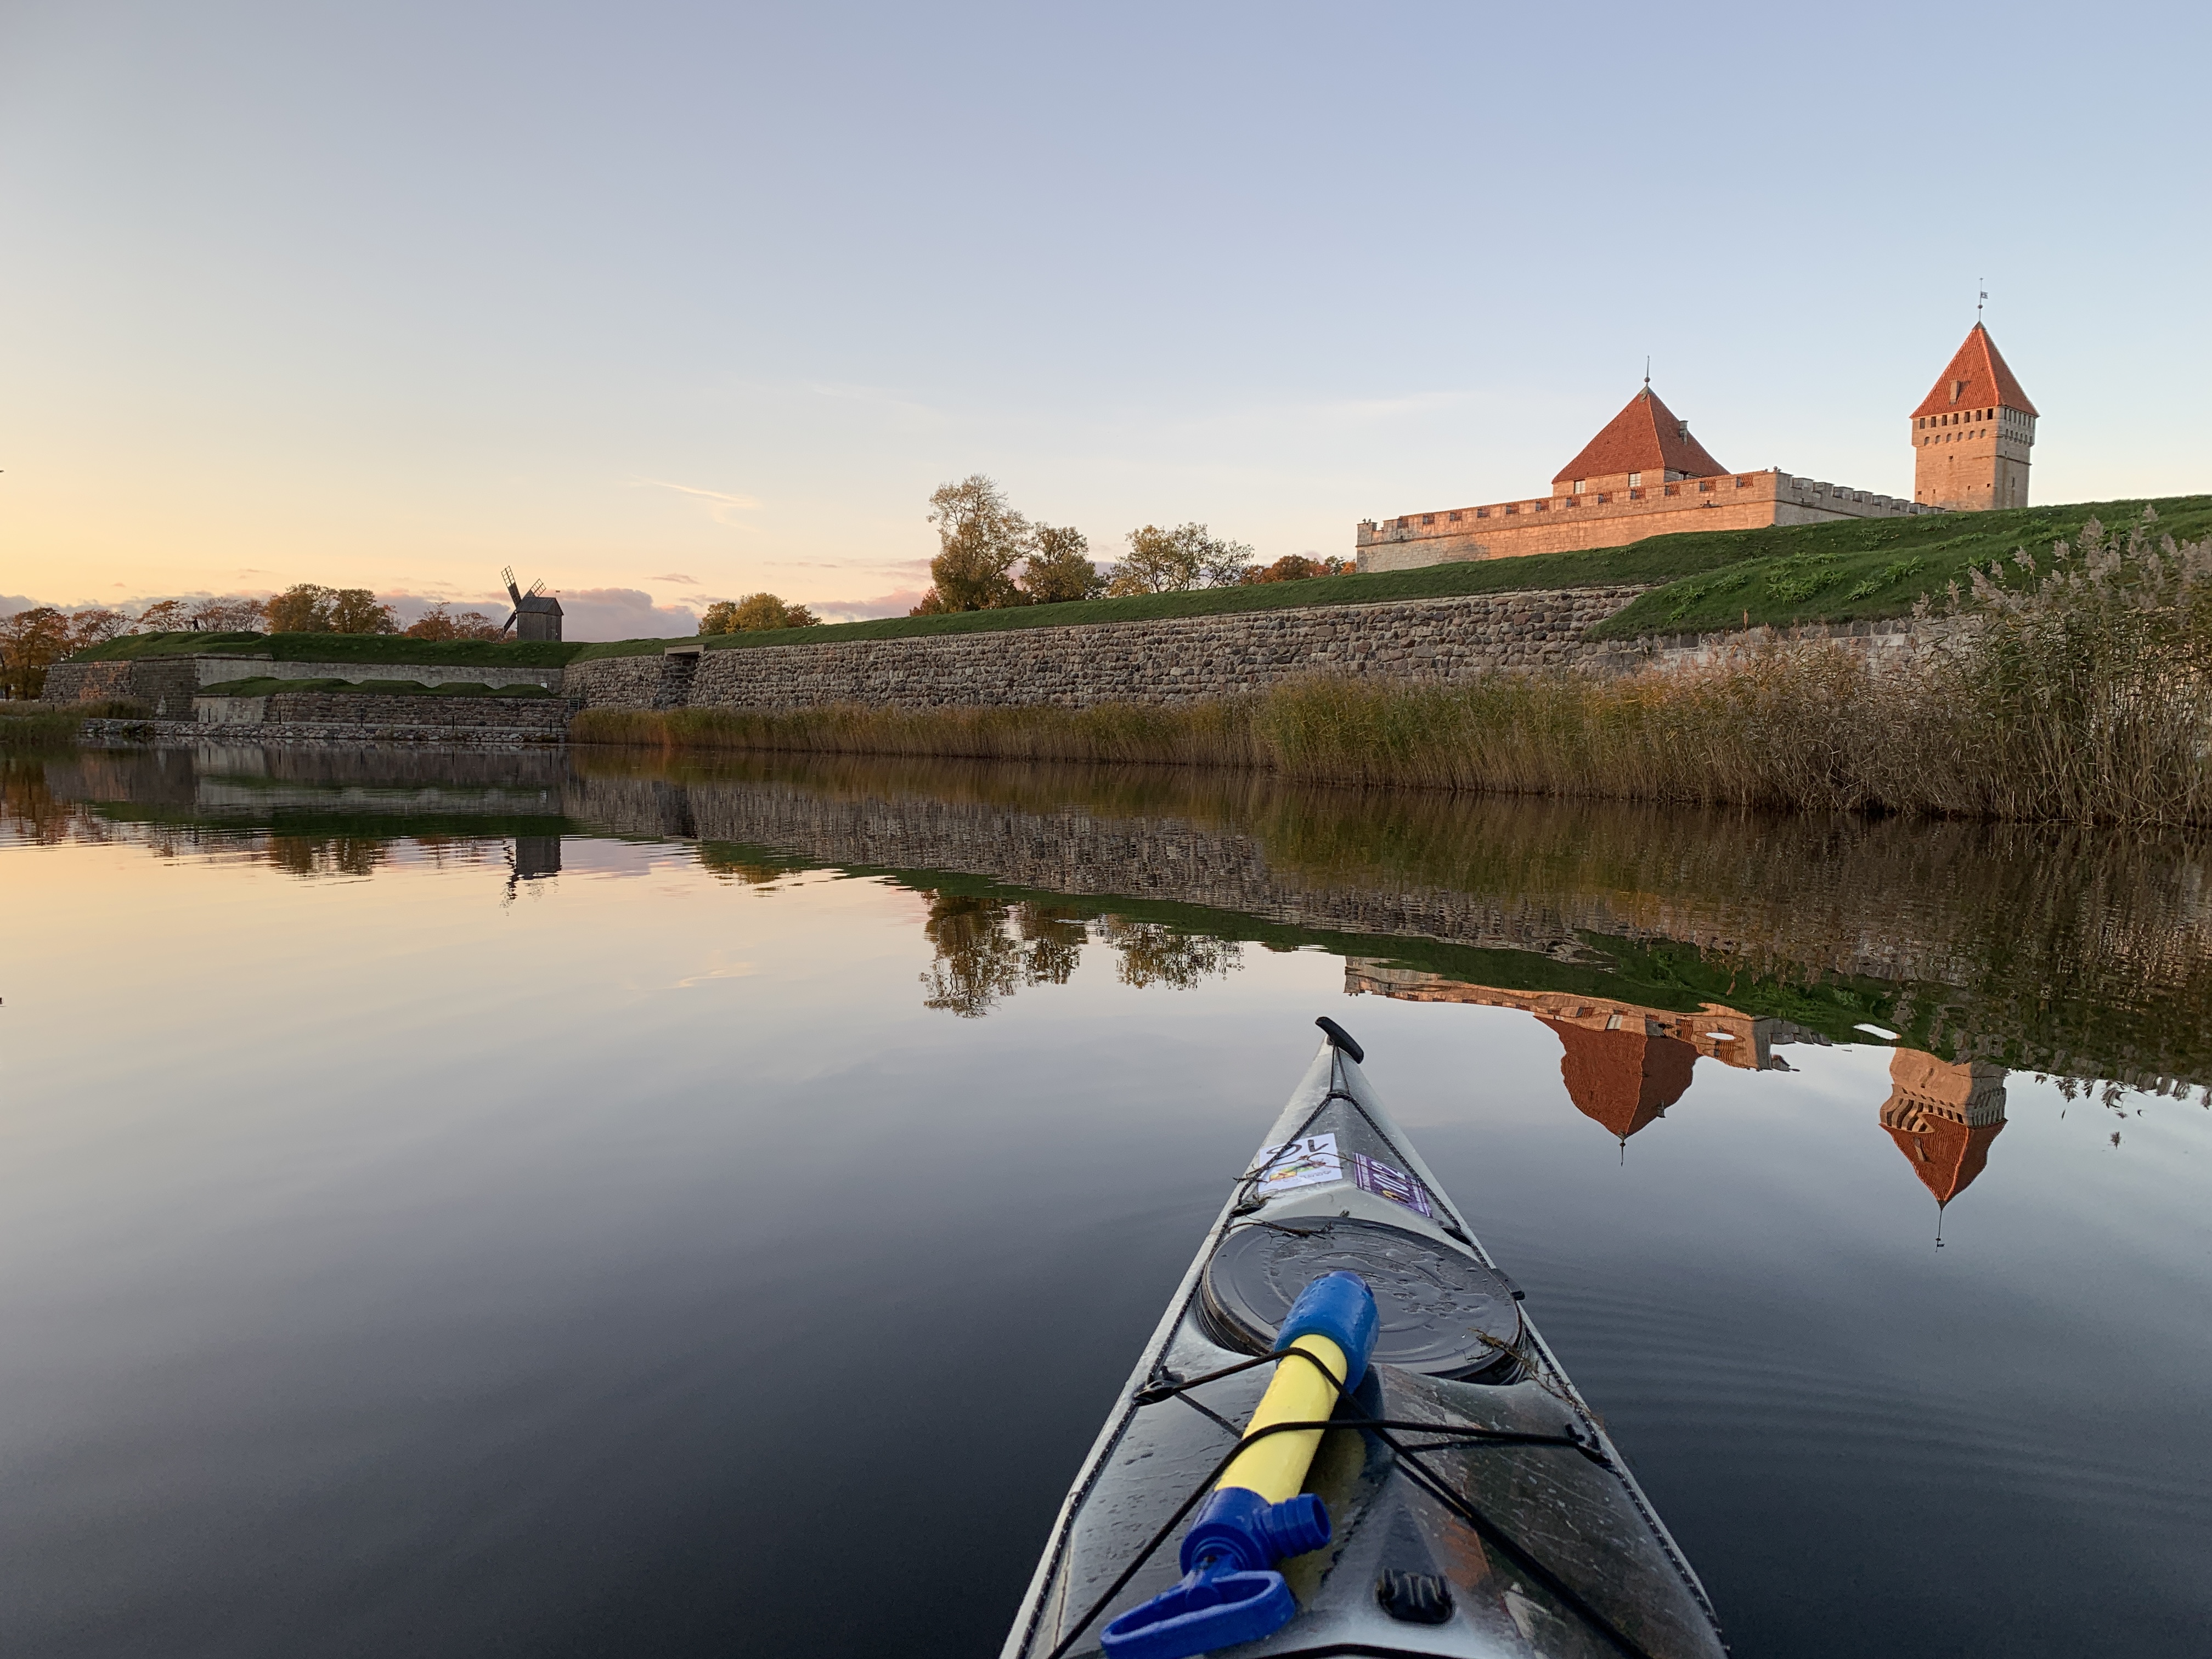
(454, 1259)
(1644, 941)
(1625, 1065)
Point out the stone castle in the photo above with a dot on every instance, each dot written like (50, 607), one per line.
(1644, 475)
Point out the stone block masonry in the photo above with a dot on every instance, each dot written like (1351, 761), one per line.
(166, 684)
(1173, 661)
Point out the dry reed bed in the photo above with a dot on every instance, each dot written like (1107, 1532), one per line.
(2081, 692)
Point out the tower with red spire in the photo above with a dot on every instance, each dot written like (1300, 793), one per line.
(1972, 434)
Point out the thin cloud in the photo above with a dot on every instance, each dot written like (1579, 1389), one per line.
(721, 502)
(683, 581)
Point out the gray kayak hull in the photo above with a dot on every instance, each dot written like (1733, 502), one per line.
(1579, 1517)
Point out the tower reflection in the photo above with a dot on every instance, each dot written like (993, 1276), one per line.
(1943, 1116)
(1625, 1063)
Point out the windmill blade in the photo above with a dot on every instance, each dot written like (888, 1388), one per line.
(537, 588)
(506, 574)
(509, 624)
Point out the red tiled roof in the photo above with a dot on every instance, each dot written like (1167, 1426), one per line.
(1623, 1080)
(1983, 380)
(1644, 437)
(1946, 1156)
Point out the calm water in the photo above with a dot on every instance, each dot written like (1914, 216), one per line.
(510, 1205)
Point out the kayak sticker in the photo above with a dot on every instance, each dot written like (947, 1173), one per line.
(1310, 1163)
(1384, 1181)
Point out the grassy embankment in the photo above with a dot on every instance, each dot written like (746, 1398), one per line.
(394, 649)
(2084, 694)
(1851, 570)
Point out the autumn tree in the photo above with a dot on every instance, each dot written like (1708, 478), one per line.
(32, 641)
(229, 616)
(164, 616)
(438, 623)
(1297, 568)
(981, 539)
(1057, 567)
(1172, 561)
(756, 613)
(307, 608)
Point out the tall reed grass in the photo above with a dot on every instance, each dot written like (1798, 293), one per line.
(28, 724)
(2077, 688)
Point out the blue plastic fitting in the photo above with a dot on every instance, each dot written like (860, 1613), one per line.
(1230, 1592)
(1213, 1607)
(1234, 1523)
(1341, 1307)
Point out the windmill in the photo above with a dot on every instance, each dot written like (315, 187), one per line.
(536, 615)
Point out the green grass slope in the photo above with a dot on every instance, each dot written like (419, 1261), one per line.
(1656, 561)
(345, 647)
(1860, 569)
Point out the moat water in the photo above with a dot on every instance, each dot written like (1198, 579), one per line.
(542, 1205)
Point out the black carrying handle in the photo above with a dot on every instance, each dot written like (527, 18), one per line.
(1340, 1038)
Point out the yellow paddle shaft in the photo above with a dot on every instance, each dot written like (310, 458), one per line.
(1275, 1467)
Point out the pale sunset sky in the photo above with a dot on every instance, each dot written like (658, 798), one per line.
(669, 302)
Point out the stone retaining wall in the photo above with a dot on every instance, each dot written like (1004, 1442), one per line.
(216, 667)
(546, 715)
(1174, 659)
(1184, 659)
(337, 734)
(164, 684)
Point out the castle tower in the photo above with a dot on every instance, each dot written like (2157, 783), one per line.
(1970, 435)
(1943, 1117)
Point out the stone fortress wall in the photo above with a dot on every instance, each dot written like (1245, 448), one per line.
(1436, 641)
(1173, 661)
(168, 686)
(1440, 641)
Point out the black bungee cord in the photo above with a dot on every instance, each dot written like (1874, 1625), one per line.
(1425, 1479)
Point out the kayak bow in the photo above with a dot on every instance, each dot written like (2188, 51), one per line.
(1416, 1474)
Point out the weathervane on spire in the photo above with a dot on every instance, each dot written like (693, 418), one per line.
(1647, 373)
(1982, 298)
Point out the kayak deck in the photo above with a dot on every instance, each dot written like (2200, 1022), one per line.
(1447, 1541)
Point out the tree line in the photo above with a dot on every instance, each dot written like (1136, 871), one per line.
(992, 556)
(32, 641)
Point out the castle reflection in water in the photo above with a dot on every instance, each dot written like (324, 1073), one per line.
(1625, 1065)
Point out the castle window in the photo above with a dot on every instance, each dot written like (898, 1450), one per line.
(1543, 507)
(1704, 486)
(1455, 518)
(1578, 486)
(1635, 494)
(1510, 508)
(1481, 512)
(1743, 483)
(1603, 497)
(1634, 479)
(1673, 489)
(1428, 518)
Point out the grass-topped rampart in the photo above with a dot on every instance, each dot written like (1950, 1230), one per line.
(347, 648)
(1854, 569)
(2081, 690)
